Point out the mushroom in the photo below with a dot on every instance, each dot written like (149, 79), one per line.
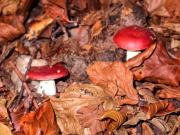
(134, 39)
(46, 75)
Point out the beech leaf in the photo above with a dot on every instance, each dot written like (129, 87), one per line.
(115, 78)
(159, 68)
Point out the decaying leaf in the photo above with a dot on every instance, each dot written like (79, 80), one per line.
(42, 121)
(37, 27)
(55, 9)
(115, 78)
(89, 118)
(154, 108)
(147, 95)
(162, 125)
(146, 130)
(169, 92)
(138, 59)
(4, 130)
(116, 119)
(80, 100)
(96, 29)
(135, 119)
(159, 68)
(167, 8)
(3, 110)
(11, 28)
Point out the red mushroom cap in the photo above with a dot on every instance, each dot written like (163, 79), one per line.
(133, 38)
(47, 72)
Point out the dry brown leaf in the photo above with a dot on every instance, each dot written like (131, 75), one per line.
(115, 78)
(92, 18)
(159, 68)
(96, 29)
(35, 28)
(9, 7)
(11, 27)
(169, 92)
(138, 59)
(172, 26)
(161, 124)
(89, 118)
(42, 121)
(116, 119)
(154, 108)
(135, 119)
(56, 9)
(147, 95)
(146, 130)
(79, 98)
(167, 8)
(3, 110)
(4, 130)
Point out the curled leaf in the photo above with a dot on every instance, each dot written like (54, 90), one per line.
(37, 27)
(169, 92)
(78, 108)
(116, 80)
(116, 119)
(146, 129)
(154, 108)
(159, 68)
(11, 28)
(41, 121)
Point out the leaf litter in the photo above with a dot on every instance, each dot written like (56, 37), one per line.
(103, 93)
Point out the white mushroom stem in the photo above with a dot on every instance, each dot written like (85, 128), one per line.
(131, 54)
(47, 87)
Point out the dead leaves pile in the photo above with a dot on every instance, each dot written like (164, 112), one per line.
(92, 108)
(137, 96)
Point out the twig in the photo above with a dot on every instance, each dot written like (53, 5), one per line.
(22, 78)
(6, 50)
(28, 66)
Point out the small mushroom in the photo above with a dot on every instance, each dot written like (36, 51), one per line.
(134, 39)
(46, 75)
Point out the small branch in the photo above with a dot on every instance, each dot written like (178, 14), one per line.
(23, 79)
(6, 50)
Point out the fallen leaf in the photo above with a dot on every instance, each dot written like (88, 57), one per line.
(96, 29)
(154, 108)
(42, 121)
(159, 68)
(147, 95)
(3, 110)
(166, 8)
(36, 27)
(168, 92)
(135, 119)
(116, 119)
(80, 100)
(55, 9)
(4, 130)
(10, 31)
(89, 117)
(146, 129)
(115, 78)
(161, 124)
